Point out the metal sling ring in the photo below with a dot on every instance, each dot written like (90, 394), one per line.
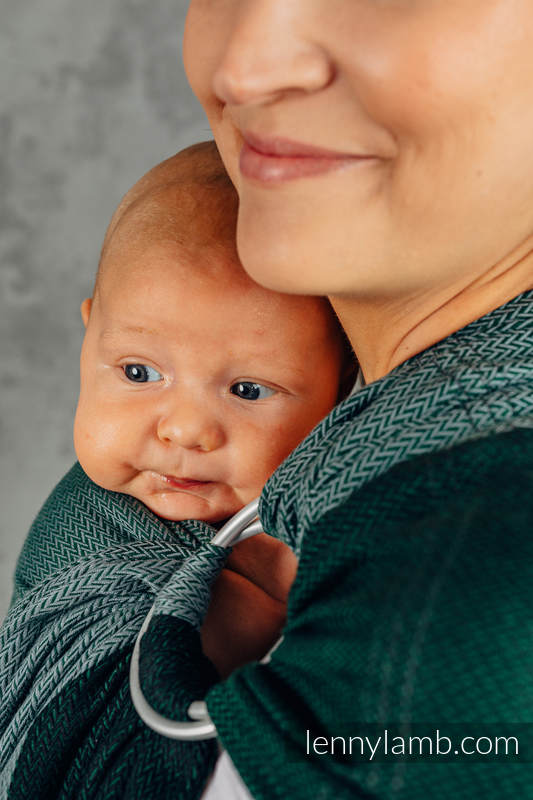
(242, 525)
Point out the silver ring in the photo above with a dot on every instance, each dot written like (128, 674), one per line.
(242, 525)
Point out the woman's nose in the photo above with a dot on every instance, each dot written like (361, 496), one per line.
(192, 426)
(268, 54)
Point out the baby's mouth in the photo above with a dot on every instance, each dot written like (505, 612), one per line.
(184, 483)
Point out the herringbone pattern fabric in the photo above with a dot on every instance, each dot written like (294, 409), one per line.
(475, 383)
(186, 595)
(90, 570)
(89, 744)
(411, 507)
(412, 607)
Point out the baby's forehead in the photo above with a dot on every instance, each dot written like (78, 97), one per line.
(206, 274)
(195, 223)
(189, 214)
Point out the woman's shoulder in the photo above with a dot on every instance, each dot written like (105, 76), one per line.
(442, 545)
(497, 466)
(481, 490)
(412, 602)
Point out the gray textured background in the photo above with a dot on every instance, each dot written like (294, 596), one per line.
(91, 96)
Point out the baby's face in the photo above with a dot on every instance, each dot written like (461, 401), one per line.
(195, 387)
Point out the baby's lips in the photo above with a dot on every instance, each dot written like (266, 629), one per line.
(184, 483)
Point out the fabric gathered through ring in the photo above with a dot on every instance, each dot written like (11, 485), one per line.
(182, 602)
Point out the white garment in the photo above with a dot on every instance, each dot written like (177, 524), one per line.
(225, 782)
(359, 382)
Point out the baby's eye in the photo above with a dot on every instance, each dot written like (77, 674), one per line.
(247, 390)
(141, 373)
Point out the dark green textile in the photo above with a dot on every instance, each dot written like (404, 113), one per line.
(421, 612)
(89, 571)
(475, 383)
(89, 744)
(169, 646)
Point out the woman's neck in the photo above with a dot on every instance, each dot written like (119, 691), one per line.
(385, 332)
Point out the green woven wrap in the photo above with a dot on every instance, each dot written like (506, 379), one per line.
(91, 567)
(419, 619)
(411, 510)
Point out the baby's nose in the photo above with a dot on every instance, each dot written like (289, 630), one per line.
(191, 426)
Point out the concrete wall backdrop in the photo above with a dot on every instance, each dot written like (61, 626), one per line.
(91, 96)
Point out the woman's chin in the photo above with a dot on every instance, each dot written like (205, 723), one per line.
(270, 262)
(286, 252)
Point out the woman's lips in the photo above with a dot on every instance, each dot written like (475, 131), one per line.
(277, 160)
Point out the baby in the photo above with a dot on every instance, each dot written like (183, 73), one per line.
(195, 381)
(195, 384)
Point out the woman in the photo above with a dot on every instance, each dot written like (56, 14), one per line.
(382, 156)
(381, 151)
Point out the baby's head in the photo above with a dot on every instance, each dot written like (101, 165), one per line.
(195, 382)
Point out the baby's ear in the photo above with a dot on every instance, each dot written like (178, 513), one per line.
(85, 309)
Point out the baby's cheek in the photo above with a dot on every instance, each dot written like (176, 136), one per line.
(289, 434)
(97, 448)
(263, 453)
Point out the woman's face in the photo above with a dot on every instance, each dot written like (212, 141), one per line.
(379, 147)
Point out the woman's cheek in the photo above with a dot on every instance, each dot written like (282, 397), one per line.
(201, 63)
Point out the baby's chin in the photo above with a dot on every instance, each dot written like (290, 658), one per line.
(177, 506)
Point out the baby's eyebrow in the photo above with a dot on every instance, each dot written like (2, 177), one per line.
(111, 333)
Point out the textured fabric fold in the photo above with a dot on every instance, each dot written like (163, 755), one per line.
(92, 566)
(473, 384)
(411, 614)
(187, 593)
